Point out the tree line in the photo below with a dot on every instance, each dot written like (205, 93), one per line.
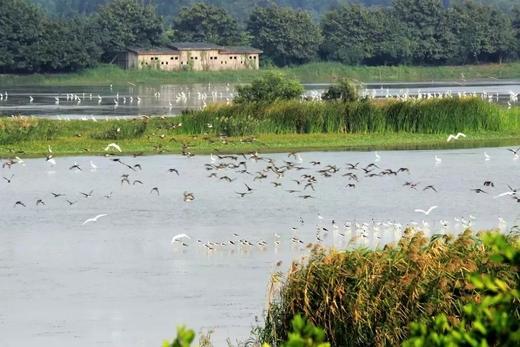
(239, 9)
(422, 32)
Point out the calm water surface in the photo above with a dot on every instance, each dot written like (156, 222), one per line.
(119, 281)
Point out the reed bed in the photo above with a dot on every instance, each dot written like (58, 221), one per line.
(436, 116)
(368, 297)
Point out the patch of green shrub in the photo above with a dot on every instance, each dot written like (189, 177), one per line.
(270, 87)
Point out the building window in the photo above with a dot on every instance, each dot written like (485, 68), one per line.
(151, 58)
(230, 57)
(162, 62)
(196, 58)
(254, 57)
(176, 58)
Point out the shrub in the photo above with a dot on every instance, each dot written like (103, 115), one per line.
(368, 297)
(303, 334)
(272, 86)
(344, 91)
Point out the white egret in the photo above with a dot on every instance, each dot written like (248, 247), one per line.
(94, 219)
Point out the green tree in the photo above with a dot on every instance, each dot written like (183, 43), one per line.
(345, 90)
(427, 29)
(286, 36)
(483, 33)
(516, 28)
(503, 41)
(391, 44)
(68, 45)
(21, 25)
(124, 23)
(272, 86)
(202, 22)
(348, 34)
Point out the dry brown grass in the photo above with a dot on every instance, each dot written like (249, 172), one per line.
(368, 298)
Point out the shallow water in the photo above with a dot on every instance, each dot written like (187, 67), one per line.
(119, 281)
(173, 99)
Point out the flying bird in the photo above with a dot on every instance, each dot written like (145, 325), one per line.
(113, 146)
(94, 219)
(455, 137)
(8, 180)
(179, 237)
(427, 212)
(188, 197)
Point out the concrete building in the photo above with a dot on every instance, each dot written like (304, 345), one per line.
(195, 56)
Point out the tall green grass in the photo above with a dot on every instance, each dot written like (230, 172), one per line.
(317, 72)
(368, 297)
(435, 116)
(24, 129)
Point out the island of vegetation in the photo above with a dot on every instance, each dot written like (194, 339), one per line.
(271, 116)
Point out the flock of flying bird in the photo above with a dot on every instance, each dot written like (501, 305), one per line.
(291, 176)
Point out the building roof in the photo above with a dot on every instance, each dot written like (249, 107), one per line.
(175, 47)
(154, 50)
(240, 50)
(185, 46)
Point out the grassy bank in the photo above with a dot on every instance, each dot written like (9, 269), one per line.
(309, 73)
(369, 297)
(277, 127)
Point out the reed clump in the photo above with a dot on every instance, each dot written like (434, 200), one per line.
(434, 116)
(368, 297)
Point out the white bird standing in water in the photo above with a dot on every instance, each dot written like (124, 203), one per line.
(486, 157)
(438, 160)
(57, 100)
(378, 157)
(31, 99)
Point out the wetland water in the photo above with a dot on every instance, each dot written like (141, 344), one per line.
(172, 99)
(120, 282)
